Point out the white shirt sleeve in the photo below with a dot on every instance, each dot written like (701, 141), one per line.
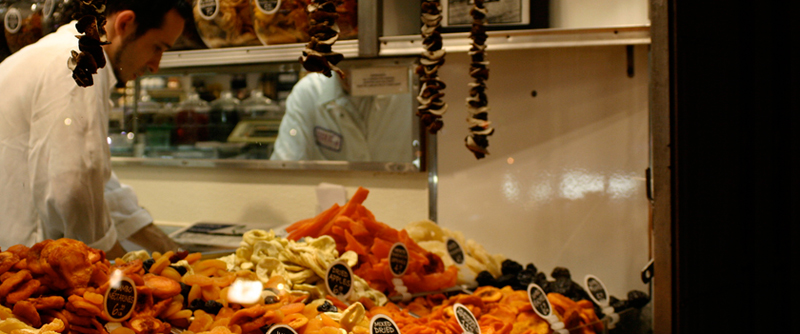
(296, 134)
(70, 159)
(123, 206)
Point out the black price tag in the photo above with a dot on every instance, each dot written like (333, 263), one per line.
(381, 324)
(208, 9)
(398, 259)
(455, 250)
(466, 319)
(119, 301)
(339, 280)
(539, 301)
(597, 290)
(13, 20)
(281, 329)
(47, 7)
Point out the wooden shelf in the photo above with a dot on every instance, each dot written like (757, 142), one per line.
(247, 55)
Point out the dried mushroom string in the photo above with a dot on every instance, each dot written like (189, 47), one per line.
(431, 106)
(477, 102)
(318, 56)
(91, 24)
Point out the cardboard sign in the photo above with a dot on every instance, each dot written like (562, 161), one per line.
(597, 290)
(537, 297)
(466, 319)
(119, 301)
(339, 280)
(455, 250)
(381, 324)
(281, 329)
(398, 259)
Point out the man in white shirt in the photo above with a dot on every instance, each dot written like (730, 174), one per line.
(54, 154)
(324, 122)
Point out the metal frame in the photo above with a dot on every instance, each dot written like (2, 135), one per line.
(661, 154)
(269, 164)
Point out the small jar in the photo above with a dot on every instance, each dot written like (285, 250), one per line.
(258, 106)
(225, 26)
(223, 117)
(23, 24)
(191, 121)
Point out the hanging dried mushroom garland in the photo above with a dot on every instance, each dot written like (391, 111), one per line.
(91, 23)
(318, 55)
(477, 102)
(431, 106)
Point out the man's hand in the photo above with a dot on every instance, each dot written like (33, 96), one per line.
(153, 239)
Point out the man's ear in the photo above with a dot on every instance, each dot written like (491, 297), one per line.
(125, 23)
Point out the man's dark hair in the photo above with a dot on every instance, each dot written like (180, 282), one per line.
(150, 13)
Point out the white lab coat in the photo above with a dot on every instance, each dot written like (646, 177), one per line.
(54, 154)
(322, 122)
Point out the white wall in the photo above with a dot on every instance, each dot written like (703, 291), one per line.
(575, 193)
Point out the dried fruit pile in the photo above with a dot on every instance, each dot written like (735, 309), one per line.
(354, 228)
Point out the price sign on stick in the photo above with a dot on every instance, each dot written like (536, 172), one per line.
(281, 329)
(381, 324)
(339, 280)
(466, 319)
(541, 305)
(119, 301)
(455, 250)
(597, 290)
(398, 259)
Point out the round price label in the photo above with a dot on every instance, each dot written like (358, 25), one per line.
(119, 301)
(597, 290)
(398, 259)
(281, 329)
(466, 319)
(12, 20)
(268, 7)
(537, 297)
(208, 9)
(339, 280)
(47, 7)
(381, 324)
(455, 250)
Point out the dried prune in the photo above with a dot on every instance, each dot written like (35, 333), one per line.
(147, 264)
(212, 306)
(560, 272)
(197, 304)
(485, 278)
(638, 298)
(509, 279)
(526, 277)
(618, 305)
(180, 269)
(531, 267)
(511, 267)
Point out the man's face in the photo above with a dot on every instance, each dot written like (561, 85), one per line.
(137, 55)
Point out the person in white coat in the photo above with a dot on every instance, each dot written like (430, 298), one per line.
(54, 154)
(324, 122)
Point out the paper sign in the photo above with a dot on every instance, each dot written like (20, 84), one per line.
(466, 319)
(537, 297)
(281, 329)
(398, 259)
(455, 250)
(597, 290)
(339, 280)
(119, 301)
(378, 81)
(381, 324)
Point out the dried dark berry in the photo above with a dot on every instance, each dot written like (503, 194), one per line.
(178, 256)
(560, 272)
(531, 267)
(526, 277)
(540, 279)
(185, 290)
(511, 267)
(618, 305)
(212, 307)
(147, 264)
(180, 269)
(562, 286)
(327, 307)
(638, 299)
(197, 304)
(485, 278)
(506, 280)
(270, 299)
